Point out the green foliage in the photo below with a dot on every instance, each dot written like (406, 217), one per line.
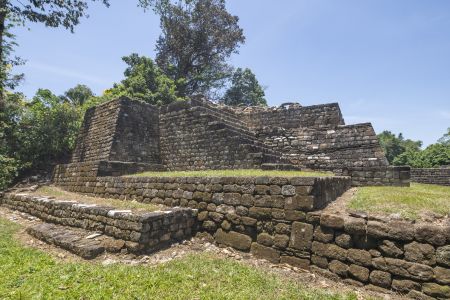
(47, 130)
(445, 139)
(244, 90)
(8, 171)
(198, 37)
(434, 155)
(78, 95)
(393, 145)
(38, 133)
(146, 82)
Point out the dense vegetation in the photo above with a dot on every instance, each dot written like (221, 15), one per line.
(400, 151)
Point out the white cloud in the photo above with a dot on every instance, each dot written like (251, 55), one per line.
(55, 70)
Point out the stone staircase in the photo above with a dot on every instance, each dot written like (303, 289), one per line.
(260, 153)
(89, 230)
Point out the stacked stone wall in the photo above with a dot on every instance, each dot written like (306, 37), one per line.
(439, 176)
(344, 146)
(136, 138)
(292, 116)
(96, 135)
(278, 219)
(193, 137)
(138, 230)
(387, 176)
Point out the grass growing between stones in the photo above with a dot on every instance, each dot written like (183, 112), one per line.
(27, 273)
(60, 194)
(408, 202)
(232, 173)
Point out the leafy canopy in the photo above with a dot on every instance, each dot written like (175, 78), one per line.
(198, 37)
(396, 145)
(146, 82)
(244, 90)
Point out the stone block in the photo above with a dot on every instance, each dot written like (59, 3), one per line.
(338, 268)
(443, 256)
(295, 261)
(301, 236)
(332, 221)
(404, 286)
(421, 253)
(436, 290)
(359, 273)
(264, 252)
(265, 239)
(380, 278)
(360, 257)
(442, 275)
(233, 239)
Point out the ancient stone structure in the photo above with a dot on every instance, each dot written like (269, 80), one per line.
(197, 135)
(439, 176)
(279, 219)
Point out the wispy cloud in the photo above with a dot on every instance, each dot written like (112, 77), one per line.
(55, 70)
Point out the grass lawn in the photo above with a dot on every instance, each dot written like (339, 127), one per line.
(231, 173)
(27, 273)
(60, 194)
(408, 202)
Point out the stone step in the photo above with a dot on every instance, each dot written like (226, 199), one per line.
(141, 230)
(75, 241)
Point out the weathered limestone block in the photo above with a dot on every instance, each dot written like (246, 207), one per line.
(442, 275)
(359, 273)
(344, 240)
(233, 239)
(264, 252)
(405, 285)
(338, 268)
(380, 278)
(295, 261)
(323, 234)
(360, 257)
(431, 234)
(332, 221)
(421, 253)
(403, 268)
(265, 239)
(355, 225)
(301, 236)
(329, 250)
(443, 255)
(390, 249)
(436, 290)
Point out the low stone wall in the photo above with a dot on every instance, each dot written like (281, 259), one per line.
(387, 176)
(439, 176)
(139, 230)
(399, 255)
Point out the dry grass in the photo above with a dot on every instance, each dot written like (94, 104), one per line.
(408, 202)
(233, 173)
(60, 194)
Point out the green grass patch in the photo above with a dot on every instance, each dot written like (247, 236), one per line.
(27, 273)
(60, 194)
(408, 202)
(233, 173)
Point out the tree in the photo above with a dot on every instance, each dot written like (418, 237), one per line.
(445, 139)
(198, 37)
(78, 95)
(394, 146)
(146, 82)
(52, 13)
(244, 90)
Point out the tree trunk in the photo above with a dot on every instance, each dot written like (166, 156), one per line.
(2, 32)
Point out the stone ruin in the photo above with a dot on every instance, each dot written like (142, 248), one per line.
(199, 135)
(280, 219)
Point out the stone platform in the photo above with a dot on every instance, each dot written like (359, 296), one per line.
(139, 231)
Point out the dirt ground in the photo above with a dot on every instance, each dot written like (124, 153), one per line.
(192, 246)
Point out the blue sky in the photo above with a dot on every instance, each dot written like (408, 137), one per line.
(385, 62)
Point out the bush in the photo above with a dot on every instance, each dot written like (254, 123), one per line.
(8, 171)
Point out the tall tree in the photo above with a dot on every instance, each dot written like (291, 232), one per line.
(198, 37)
(244, 90)
(78, 95)
(445, 139)
(52, 13)
(146, 82)
(393, 145)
